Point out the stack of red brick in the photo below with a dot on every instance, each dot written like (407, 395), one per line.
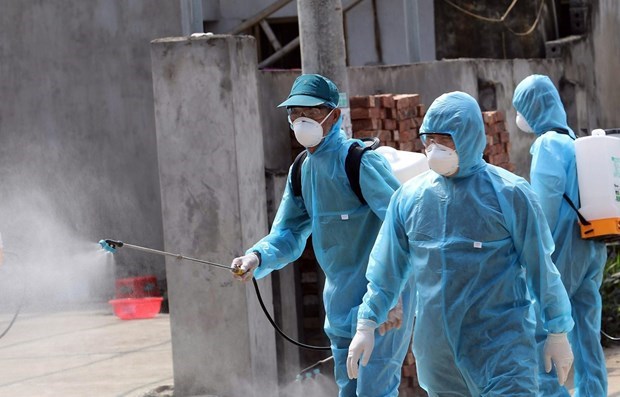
(498, 140)
(394, 119)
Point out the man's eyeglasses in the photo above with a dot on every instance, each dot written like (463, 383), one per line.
(315, 113)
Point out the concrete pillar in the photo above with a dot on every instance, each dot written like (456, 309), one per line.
(321, 35)
(211, 167)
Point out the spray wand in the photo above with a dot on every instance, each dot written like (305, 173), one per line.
(113, 245)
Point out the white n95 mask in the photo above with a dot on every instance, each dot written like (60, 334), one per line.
(523, 124)
(442, 159)
(308, 132)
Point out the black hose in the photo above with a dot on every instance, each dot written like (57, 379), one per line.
(275, 326)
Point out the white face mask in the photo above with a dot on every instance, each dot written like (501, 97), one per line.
(442, 159)
(523, 124)
(308, 132)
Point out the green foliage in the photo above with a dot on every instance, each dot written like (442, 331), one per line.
(610, 291)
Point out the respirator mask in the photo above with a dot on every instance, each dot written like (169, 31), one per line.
(308, 132)
(442, 159)
(523, 124)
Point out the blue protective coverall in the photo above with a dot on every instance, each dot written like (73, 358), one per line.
(343, 233)
(580, 262)
(472, 243)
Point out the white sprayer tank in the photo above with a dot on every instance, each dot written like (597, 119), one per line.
(405, 165)
(598, 171)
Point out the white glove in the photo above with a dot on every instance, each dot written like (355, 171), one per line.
(361, 346)
(557, 350)
(243, 267)
(394, 318)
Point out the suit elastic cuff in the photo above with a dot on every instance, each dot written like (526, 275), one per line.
(259, 256)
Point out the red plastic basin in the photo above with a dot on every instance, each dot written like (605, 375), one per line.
(137, 287)
(136, 308)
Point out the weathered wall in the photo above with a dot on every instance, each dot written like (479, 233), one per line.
(77, 141)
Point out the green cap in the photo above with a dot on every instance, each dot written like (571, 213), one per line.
(312, 90)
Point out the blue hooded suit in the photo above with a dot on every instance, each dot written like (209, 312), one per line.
(580, 262)
(478, 249)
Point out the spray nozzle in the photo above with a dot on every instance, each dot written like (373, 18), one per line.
(110, 245)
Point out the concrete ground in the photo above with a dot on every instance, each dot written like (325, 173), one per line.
(93, 353)
(84, 353)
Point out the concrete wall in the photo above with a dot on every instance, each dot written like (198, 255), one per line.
(211, 168)
(77, 140)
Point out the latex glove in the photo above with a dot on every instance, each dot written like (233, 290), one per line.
(243, 267)
(557, 350)
(361, 346)
(394, 318)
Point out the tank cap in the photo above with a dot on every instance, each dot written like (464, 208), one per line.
(598, 132)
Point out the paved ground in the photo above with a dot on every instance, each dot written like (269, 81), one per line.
(84, 353)
(93, 353)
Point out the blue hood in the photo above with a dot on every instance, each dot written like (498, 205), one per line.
(537, 99)
(458, 114)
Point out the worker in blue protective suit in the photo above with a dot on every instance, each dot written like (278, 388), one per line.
(580, 262)
(343, 232)
(473, 238)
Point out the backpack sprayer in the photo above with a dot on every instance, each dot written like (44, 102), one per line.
(598, 174)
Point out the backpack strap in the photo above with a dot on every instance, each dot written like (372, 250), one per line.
(562, 131)
(582, 220)
(296, 173)
(352, 168)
